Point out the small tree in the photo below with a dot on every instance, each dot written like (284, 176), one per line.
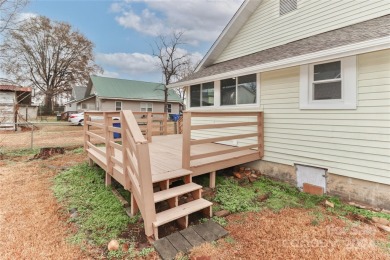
(171, 59)
(8, 12)
(49, 56)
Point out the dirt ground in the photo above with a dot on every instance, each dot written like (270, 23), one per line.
(31, 223)
(291, 234)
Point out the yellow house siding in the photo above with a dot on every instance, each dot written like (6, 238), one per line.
(353, 143)
(266, 28)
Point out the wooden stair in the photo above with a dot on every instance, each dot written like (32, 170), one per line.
(178, 212)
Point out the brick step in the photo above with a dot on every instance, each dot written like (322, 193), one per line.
(175, 192)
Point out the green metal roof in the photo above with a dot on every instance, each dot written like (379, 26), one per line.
(131, 89)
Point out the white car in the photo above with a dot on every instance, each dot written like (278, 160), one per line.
(76, 119)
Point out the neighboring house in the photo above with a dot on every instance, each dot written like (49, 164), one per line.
(110, 94)
(322, 76)
(78, 93)
(15, 106)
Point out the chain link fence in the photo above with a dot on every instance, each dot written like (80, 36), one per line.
(35, 135)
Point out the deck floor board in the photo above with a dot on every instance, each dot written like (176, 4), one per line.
(166, 154)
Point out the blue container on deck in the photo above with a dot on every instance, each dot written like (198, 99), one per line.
(174, 117)
(117, 135)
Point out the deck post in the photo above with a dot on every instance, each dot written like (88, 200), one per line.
(212, 180)
(125, 146)
(260, 133)
(107, 135)
(165, 123)
(186, 152)
(149, 127)
(86, 129)
(146, 186)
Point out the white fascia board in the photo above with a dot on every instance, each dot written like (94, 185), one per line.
(232, 28)
(142, 100)
(334, 53)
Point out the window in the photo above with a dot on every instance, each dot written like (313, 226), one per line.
(169, 108)
(329, 85)
(146, 107)
(287, 6)
(118, 105)
(241, 90)
(84, 105)
(202, 95)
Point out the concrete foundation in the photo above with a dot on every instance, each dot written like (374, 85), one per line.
(364, 192)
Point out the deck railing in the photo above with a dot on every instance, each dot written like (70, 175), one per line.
(125, 157)
(226, 123)
(137, 170)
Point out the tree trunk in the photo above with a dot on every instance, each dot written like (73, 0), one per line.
(165, 99)
(49, 103)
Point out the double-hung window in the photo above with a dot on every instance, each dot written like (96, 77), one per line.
(118, 105)
(329, 85)
(146, 107)
(169, 108)
(240, 90)
(202, 95)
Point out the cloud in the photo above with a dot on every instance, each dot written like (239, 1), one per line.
(139, 66)
(200, 20)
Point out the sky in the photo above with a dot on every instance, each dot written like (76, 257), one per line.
(124, 31)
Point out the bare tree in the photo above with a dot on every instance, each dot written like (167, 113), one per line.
(186, 70)
(171, 59)
(8, 12)
(49, 56)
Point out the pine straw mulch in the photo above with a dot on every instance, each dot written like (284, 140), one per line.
(291, 234)
(31, 223)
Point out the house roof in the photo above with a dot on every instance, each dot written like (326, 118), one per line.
(79, 92)
(360, 32)
(15, 88)
(131, 89)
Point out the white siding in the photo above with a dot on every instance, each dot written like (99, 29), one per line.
(353, 143)
(109, 105)
(266, 28)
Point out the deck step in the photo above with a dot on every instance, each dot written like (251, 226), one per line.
(181, 211)
(176, 191)
(170, 175)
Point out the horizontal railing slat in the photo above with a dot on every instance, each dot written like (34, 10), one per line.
(225, 125)
(224, 138)
(231, 150)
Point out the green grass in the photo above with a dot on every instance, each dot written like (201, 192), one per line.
(100, 215)
(21, 152)
(240, 198)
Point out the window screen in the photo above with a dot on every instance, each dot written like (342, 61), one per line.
(195, 96)
(228, 92)
(327, 83)
(287, 6)
(246, 89)
(118, 105)
(208, 94)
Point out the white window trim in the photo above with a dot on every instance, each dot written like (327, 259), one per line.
(201, 86)
(120, 103)
(348, 87)
(169, 105)
(257, 103)
(146, 107)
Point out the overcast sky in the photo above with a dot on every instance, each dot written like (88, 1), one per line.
(123, 31)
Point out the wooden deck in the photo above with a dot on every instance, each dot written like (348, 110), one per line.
(166, 157)
(140, 162)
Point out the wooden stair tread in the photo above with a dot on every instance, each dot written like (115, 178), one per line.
(176, 191)
(181, 211)
(170, 175)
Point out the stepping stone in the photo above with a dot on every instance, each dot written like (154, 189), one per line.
(166, 250)
(216, 229)
(179, 242)
(205, 233)
(192, 237)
